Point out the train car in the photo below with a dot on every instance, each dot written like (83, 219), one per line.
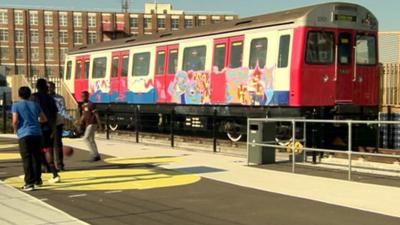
(318, 61)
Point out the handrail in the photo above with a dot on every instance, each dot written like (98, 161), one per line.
(293, 121)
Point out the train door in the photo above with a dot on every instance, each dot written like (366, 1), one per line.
(166, 67)
(344, 66)
(281, 81)
(366, 73)
(227, 54)
(81, 76)
(119, 75)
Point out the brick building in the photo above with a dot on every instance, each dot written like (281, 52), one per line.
(34, 41)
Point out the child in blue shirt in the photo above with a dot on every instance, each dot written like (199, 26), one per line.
(25, 117)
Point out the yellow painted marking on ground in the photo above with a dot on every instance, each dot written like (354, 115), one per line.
(144, 160)
(114, 179)
(9, 156)
(70, 140)
(5, 146)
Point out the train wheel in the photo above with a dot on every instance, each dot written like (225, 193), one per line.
(113, 127)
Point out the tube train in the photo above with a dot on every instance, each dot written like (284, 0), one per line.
(319, 61)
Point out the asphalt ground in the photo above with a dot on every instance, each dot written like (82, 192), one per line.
(106, 199)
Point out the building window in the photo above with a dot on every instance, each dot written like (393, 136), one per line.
(34, 70)
(133, 22)
(77, 37)
(147, 23)
(18, 18)
(161, 23)
(19, 53)
(92, 37)
(77, 20)
(188, 23)
(3, 35)
(3, 17)
(19, 35)
(63, 20)
(49, 71)
(175, 24)
(34, 36)
(20, 70)
(92, 21)
(49, 54)
(63, 37)
(48, 36)
(4, 53)
(215, 20)
(48, 19)
(33, 18)
(34, 54)
(201, 22)
(63, 52)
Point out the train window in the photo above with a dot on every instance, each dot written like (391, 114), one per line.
(194, 58)
(320, 47)
(78, 70)
(173, 61)
(87, 63)
(99, 67)
(141, 64)
(69, 70)
(114, 68)
(160, 62)
(236, 54)
(258, 53)
(220, 51)
(366, 49)
(345, 48)
(125, 62)
(283, 57)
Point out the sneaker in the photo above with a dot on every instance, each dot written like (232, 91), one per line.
(94, 159)
(38, 184)
(54, 180)
(28, 187)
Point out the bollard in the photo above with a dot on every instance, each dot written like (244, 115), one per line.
(4, 109)
(137, 111)
(172, 120)
(107, 124)
(214, 121)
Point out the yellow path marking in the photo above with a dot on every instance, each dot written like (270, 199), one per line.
(144, 160)
(9, 156)
(4, 146)
(114, 179)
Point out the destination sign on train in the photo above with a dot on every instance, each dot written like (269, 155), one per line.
(339, 17)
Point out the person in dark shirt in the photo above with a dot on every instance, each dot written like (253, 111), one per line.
(26, 125)
(90, 119)
(49, 108)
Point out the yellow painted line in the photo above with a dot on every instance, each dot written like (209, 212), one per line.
(145, 160)
(114, 179)
(9, 156)
(4, 146)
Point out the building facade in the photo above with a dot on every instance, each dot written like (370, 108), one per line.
(34, 42)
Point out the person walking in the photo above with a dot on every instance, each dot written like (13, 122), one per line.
(26, 125)
(91, 121)
(49, 108)
(61, 117)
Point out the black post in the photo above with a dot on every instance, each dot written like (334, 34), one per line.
(107, 123)
(172, 121)
(4, 109)
(137, 122)
(214, 121)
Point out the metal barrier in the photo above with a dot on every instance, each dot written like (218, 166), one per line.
(293, 122)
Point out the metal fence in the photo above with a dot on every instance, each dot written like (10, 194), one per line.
(295, 122)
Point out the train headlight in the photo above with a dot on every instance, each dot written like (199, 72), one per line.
(325, 78)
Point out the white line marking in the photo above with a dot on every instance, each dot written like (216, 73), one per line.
(43, 199)
(76, 196)
(110, 192)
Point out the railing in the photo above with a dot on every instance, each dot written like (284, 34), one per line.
(350, 153)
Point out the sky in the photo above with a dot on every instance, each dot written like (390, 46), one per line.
(387, 11)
